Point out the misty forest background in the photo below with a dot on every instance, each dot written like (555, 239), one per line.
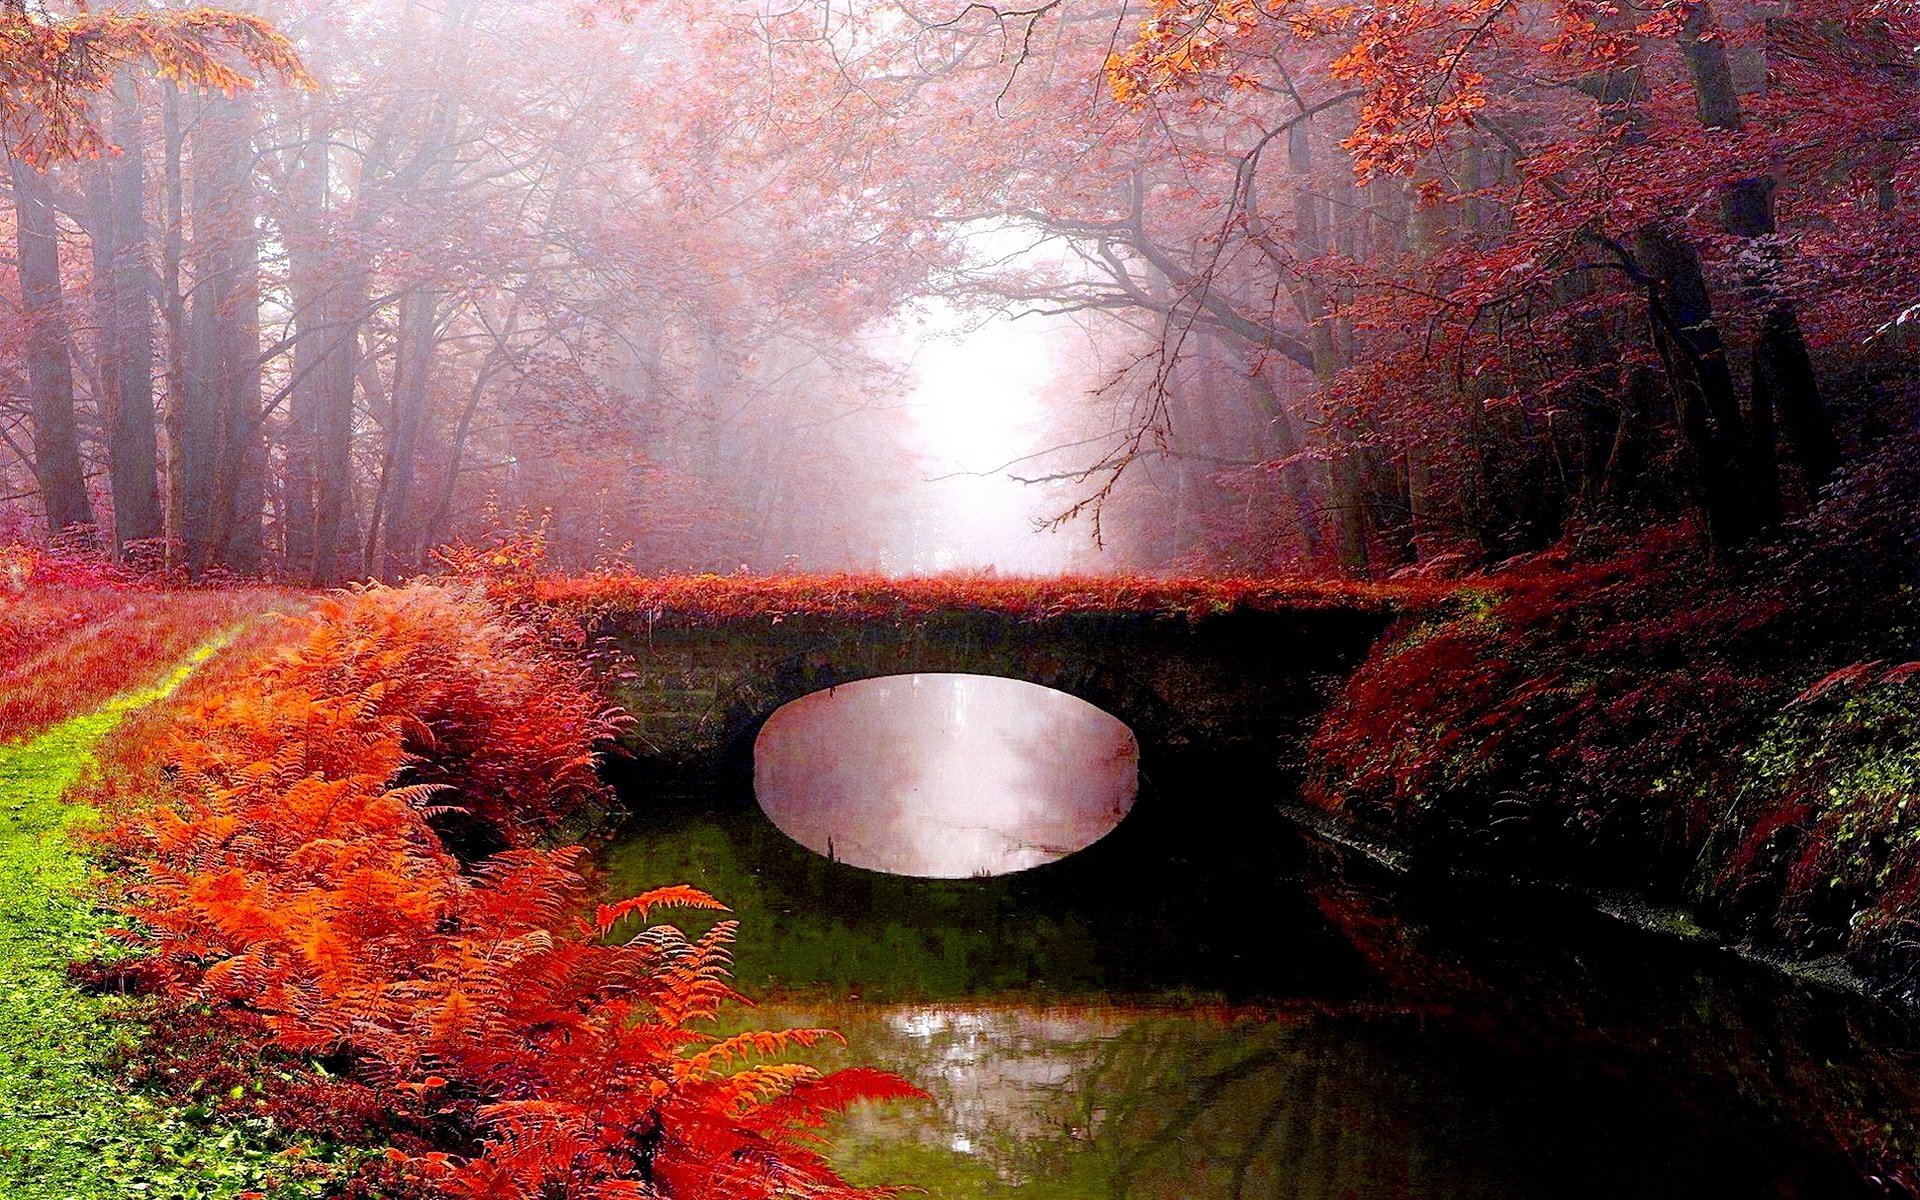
(1318, 290)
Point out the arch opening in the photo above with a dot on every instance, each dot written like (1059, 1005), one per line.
(945, 775)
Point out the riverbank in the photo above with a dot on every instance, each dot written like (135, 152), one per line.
(1724, 751)
(347, 958)
(70, 1128)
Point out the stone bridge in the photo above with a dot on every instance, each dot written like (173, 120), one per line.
(1245, 682)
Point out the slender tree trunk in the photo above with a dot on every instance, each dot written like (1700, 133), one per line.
(1345, 474)
(1707, 405)
(393, 531)
(57, 465)
(1382, 483)
(243, 440)
(182, 468)
(97, 190)
(126, 335)
(1295, 482)
(329, 295)
(224, 451)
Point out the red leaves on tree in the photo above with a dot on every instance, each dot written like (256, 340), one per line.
(55, 66)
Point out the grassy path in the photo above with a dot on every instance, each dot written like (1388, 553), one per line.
(68, 1129)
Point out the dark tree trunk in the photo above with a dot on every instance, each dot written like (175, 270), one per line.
(1782, 372)
(328, 297)
(173, 309)
(1345, 470)
(1782, 366)
(1290, 447)
(392, 537)
(57, 465)
(243, 454)
(223, 454)
(1707, 405)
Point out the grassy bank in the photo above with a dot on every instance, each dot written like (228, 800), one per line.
(70, 1129)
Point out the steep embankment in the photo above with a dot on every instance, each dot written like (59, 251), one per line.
(1737, 746)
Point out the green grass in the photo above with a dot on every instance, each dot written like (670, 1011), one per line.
(69, 1129)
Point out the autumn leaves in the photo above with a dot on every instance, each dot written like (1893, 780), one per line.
(336, 854)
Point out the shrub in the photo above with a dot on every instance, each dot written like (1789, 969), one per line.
(1742, 737)
(293, 880)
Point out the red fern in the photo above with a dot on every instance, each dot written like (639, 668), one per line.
(301, 872)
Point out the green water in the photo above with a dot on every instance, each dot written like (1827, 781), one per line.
(1206, 1005)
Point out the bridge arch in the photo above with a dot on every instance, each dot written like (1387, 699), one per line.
(1239, 683)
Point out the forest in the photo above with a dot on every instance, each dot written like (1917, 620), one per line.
(1473, 444)
(309, 291)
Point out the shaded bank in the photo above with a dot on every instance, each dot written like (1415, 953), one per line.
(1739, 747)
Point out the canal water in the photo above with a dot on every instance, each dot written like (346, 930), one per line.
(1183, 997)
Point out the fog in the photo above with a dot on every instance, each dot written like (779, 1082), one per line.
(978, 415)
(876, 286)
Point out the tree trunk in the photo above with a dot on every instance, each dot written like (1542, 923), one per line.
(57, 466)
(1781, 368)
(1346, 496)
(1295, 482)
(186, 464)
(1707, 406)
(328, 297)
(392, 538)
(223, 452)
(126, 334)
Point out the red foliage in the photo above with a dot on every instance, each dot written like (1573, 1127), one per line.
(881, 597)
(1567, 709)
(293, 875)
(1738, 740)
(498, 736)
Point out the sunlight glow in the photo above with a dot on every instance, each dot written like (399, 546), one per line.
(977, 411)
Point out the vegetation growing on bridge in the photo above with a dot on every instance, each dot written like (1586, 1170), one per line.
(707, 598)
(515, 565)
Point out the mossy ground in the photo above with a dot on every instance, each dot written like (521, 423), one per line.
(70, 1129)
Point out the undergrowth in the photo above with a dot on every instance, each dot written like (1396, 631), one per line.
(1740, 736)
(74, 632)
(69, 1129)
(1820, 848)
(333, 891)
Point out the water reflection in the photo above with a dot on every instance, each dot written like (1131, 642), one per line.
(1205, 1006)
(945, 776)
(1303, 1103)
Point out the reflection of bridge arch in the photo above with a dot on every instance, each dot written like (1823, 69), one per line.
(1242, 681)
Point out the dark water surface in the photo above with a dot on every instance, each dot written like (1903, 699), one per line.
(1206, 1004)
